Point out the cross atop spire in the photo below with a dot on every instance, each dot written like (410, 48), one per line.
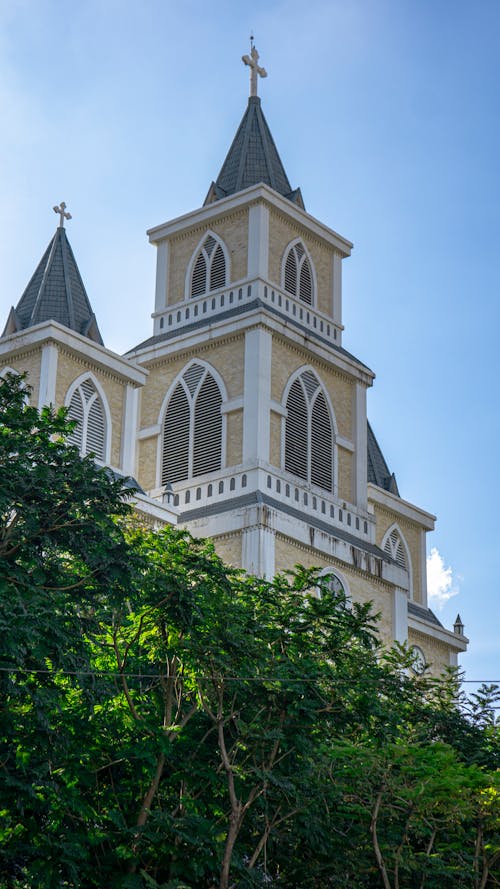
(61, 209)
(253, 62)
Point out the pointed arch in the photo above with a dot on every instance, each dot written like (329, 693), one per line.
(309, 431)
(87, 404)
(298, 274)
(209, 266)
(193, 440)
(338, 583)
(9, 370)
(395, 545)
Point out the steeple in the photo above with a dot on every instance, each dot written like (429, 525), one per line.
(253, 156)
(378, 471)
(56, 291)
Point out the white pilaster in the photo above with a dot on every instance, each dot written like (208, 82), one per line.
(258, 241)
(337, 288)
(161, 293)
(48, 375)
(360, 439)
(423, 568)
(400, 615)
(258, 551)
(257, 395)
(129, 430)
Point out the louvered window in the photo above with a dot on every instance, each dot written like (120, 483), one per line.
(87, 409)
(309, 438)
(297, 276)
(209, 270)
(192, 430)
(395, 548)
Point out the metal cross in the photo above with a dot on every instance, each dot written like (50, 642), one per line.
(61, 209)
(253, 61)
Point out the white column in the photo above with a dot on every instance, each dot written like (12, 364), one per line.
(258, 551)
(258, 241)
(423, 569)
(337, 288)
(48, 375)
(161, 292)
(129, 430)
(400, 615)
(360, 443)
(257, 395)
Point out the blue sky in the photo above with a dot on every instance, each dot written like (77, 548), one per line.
(385, 113)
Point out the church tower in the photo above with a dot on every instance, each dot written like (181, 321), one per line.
(243, 408)
(256, 414)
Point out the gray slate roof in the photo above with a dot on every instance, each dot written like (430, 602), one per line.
(378, 471)
(56, 293)
(423, 613)
(252, 158)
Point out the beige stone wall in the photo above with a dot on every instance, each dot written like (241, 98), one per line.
(288, 358)
(28, 362)
(228, 547)
(345, 478)
(437, 653)
(276, 425)
(232, 228)
(69, 368)
(234, 454)
(146, 462)
(411, 533)
(282, 231)
(362, 587)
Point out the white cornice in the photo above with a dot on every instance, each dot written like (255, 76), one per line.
(242, 199)
(220, 328)
(51, 331)
(458, 643)
(402, 507)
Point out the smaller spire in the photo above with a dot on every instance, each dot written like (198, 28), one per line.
(61, 209)
(56, 291)
(253, 62)
(458, 626)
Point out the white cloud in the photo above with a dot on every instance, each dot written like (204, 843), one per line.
(441, 585)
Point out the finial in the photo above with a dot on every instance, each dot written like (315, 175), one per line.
(253, 62)
(61, 209)
(458, 626)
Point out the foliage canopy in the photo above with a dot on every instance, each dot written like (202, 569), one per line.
(170, 722)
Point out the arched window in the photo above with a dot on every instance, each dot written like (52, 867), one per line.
(333, 581)
(86, 407)
(192, 428)
(396, 547)
(309, 436)
(419, 665)
(208, 271)
(297, 274)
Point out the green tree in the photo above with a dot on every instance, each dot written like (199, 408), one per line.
(169, 722)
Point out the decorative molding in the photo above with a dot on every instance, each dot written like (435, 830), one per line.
(241, 200)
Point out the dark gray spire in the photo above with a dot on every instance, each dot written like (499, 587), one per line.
(55, 293)
(252, 158)
(378, 471)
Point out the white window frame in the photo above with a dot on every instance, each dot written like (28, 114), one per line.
(333, 420)
(207, 368)
(314, 284)
(107, 413)
(194, 257)
(331, 569)
(395, 527)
